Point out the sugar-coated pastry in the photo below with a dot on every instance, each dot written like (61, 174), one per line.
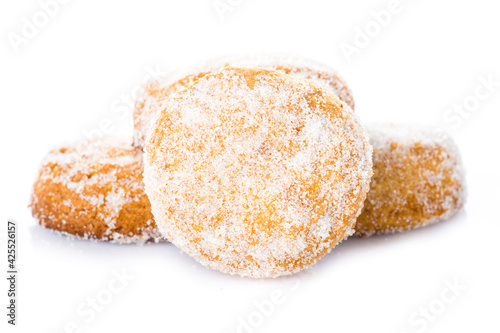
(157, 91)
(257, 173)
(94, 190)
(418, 179)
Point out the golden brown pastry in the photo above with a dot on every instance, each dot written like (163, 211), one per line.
(418, 179)
(257, 173)
(94, 190)
(156, 92)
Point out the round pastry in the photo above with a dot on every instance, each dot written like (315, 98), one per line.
(257, 173)
(156, 92)
(418, 179)
(152, 97)
(94, 190)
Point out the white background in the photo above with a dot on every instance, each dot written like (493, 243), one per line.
(91, 56)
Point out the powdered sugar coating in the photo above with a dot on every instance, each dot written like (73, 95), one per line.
(256, 173)
(418, 179)
(300, 67)
(94, 190)
(157, 91)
